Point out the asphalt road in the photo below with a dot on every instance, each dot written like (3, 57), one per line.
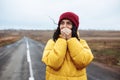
(22, 61)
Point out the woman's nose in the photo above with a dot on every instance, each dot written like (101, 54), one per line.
(64, 25)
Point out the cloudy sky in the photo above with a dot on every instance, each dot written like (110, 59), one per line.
(39, 14)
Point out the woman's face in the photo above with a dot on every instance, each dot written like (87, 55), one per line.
(65, 23)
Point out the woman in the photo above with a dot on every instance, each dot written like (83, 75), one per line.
(66, 55)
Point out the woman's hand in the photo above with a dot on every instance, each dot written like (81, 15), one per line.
(63, 34)
(66, 33)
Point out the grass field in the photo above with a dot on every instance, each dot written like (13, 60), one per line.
(106, 51)
(8, 40)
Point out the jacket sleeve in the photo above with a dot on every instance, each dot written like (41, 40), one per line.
(54, 53)
(79, 52)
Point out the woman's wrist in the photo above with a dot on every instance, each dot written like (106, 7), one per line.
(61, 36)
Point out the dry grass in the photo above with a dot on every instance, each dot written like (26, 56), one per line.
(8, 40)
(42, 36)
(106, 51)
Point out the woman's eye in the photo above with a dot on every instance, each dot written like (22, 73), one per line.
(62, 23)
(69, 23)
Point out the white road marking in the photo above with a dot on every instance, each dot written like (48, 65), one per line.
(30, 63)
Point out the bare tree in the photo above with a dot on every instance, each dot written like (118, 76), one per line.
(53, 20)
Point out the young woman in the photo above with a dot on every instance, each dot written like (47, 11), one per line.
(67, 55)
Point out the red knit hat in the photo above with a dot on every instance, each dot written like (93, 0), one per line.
(71, 16)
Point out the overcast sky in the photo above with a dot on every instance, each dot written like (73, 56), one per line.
(37, 14)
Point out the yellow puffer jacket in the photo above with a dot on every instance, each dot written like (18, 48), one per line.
(66, 59)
